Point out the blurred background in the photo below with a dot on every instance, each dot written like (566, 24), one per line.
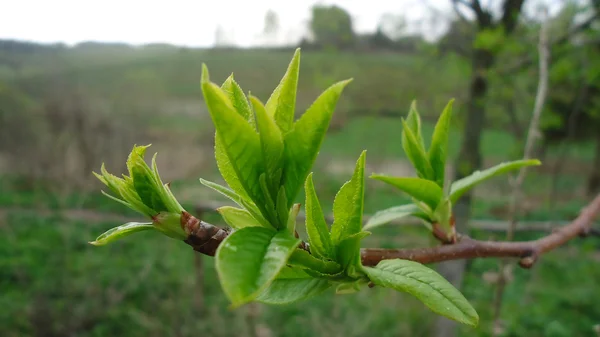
(81, 83)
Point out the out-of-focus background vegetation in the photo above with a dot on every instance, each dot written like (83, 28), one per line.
(67, 108)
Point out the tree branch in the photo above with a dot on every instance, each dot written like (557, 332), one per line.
(205, 238)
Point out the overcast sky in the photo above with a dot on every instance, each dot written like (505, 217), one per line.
(194, 22)
(182, 22)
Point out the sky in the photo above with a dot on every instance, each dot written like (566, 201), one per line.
(183, 22)
(194, 22)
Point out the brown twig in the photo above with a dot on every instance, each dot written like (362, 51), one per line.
(205, 238)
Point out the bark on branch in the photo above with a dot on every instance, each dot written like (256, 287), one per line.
(205, 238)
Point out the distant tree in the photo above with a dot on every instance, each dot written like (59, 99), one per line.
(332, 27)
(271, 28)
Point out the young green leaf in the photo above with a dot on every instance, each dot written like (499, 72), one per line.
(438, 151)
(281, 104)
(240, 142)
(416, 152)
(116, 233)
(238, 218)
(420, 189)
(306, 260)
(292, 285)
(302, 143)
(348, 205)
(426, 285)
(237, 97)
(223, 190)
(271, 142)
(316, 227)
(283, 211)
(461, 186)
(348, 251)
(249, 259)
(394, 213)
(413, 120)
(226, 169)
(291, 220)
(350, 287)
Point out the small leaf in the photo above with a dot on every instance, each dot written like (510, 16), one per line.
(348, 205)
(348, 252)
(420, 189)
(461, 186)
(249, 259)
(291, 220)
(237, 97)
(281, 104)
(306, 260)
(413, 120)
(416, 153)
(426, 285)
(116, 233)
(238, 218)
(292, 285)
(438, 151)
(271, 142)
(303, 142)
(316, 227)
(223, 190)
(281, 206)
(240, 142)
(394, 213)
(349, 287)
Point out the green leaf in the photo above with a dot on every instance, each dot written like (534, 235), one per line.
(116, 233)
(316, 227)
(461, 186)
(240, 142)
(144, 181)
(223, 190)
(438, 151)
(416, 153)
(282, 102)
(238, 218)
(226, 169)
(237, 97)
(413, 120)
(292, 285)
(348, 205)
(349, 287)
(271, 142)
(426, 285)
(394, 213)
(249, 259)
(420, 189)
(283, 211)
(305, 259)
(302, 143)
(291, 220)
(348, 252)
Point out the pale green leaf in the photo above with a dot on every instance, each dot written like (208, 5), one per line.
(302, 143)
(291, 220)
(438, 151)
(306, 260)
(316, 227)
(413, 120)
(416, 153)
(116, 233)
(424, 190)
(461, 186)
(249, 259)
(282, 209)
(237, 97)
(226, 169)
(240, 142)
(292, 285)
(348, 205)
(426, 285)
(238, 218)
(348, 251)
(271, 142)
(281, 104)
(394, 213)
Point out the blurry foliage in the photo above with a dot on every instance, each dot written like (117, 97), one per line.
(332, 27)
